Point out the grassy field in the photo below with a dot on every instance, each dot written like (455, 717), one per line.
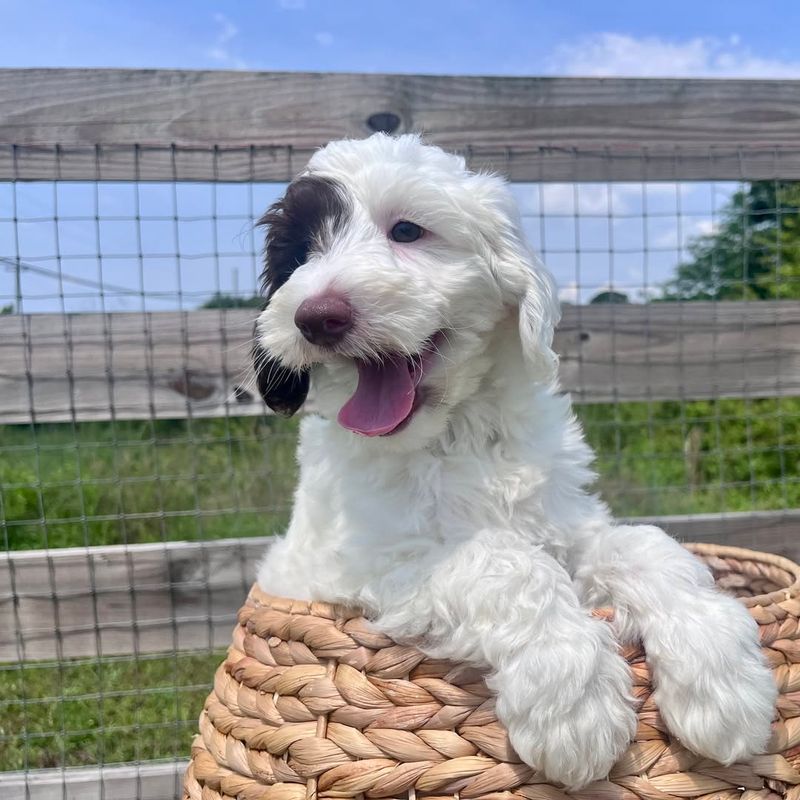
(140, 481)
(95, 712)
(126, 482)
(694, 457)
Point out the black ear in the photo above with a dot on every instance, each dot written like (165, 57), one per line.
(284, 390)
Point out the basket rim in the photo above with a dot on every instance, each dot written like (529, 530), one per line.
(790, 592)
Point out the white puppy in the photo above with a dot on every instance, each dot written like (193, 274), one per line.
(443, 483)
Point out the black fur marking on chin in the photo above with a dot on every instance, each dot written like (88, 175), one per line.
(284, 390)
(312, 209)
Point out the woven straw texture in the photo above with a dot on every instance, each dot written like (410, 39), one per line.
(311, 702)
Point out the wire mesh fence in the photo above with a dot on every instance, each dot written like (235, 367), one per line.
(130, 424)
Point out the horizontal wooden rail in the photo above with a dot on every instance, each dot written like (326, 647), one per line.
(120, 599)
(92, 124)
(148, 781)
(57, 368)
(103, 601)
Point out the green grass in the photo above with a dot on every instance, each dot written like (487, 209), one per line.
(102, 483)
(127, 482)
(63, 485)
(699, 456)
(101, 711)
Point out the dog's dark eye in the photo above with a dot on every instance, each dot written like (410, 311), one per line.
(405, 231)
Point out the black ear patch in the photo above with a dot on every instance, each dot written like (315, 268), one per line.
(312, 210)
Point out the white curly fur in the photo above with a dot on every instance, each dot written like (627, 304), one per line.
(471, 532)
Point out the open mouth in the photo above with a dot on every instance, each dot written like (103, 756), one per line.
(389, 392)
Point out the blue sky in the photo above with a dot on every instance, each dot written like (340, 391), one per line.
(591, 236)
(500, 37)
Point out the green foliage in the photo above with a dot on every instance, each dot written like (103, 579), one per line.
(753, 255)
(6, 309)
(65, 485)
(84, 712)
(693, 457)
(609, 296)
(220, 300)
(68, 485)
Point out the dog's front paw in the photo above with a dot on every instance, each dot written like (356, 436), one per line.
(578, 742)
(718, 695)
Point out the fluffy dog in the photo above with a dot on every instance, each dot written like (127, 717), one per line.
(443, 483)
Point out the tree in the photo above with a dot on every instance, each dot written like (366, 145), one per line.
(609, 296)
(754, 254)
(221, 300)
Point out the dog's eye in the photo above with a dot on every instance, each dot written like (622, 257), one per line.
(405, 231)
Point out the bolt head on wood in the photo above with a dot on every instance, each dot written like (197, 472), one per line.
(383, 122)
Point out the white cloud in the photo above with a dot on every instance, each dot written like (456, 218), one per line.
(591, 198)
(705, 227)
(690, 230)
(570, 293)
(324, 38)
(227, 29)
(220, 51)
(607, 54)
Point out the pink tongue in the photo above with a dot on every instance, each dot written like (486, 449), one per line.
(383, 399)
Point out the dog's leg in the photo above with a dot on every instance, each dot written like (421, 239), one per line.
(713, 686)
(563, 689)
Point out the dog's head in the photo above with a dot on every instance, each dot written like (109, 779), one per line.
(388, 267)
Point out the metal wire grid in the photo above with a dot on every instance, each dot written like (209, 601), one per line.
(99, 247)
(670, 216)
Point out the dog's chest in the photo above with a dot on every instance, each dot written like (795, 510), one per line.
(428, 498)
(358, 518)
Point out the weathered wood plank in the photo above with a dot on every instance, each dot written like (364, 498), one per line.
(769, 531)
(102, 601)
(87, 124)
(57, 368)
(687, 351)
(126, 366)
(148, 781)
(584, 162)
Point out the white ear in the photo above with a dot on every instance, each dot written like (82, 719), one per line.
(539, 313)
(524, 280)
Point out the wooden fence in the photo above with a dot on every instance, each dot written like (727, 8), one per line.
(82, 367)
(97, 125)
(236, 126)
(150, 598)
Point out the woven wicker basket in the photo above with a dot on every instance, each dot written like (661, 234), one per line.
(310, 702)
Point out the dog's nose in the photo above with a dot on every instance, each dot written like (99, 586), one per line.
(324, 320)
